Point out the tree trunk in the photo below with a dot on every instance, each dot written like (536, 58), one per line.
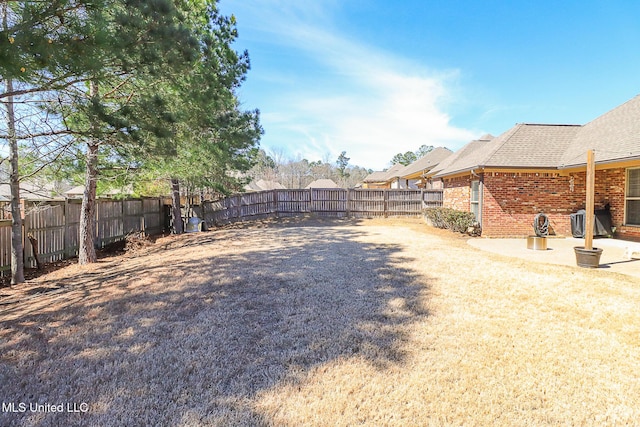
(87, 250)
(17, 253)
(178, 227)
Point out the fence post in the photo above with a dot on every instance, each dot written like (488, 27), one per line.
(385, 208)
(96, 230)
(348, 207)
(25, 232)
(275, 203)
(122, 213)
(65, 236)
(143, 228)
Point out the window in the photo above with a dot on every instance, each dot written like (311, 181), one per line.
(475, 199)
(632, 201)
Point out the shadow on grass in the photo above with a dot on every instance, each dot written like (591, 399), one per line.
(191, 340)
(609, 264)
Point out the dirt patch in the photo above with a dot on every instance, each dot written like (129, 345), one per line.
(133, 244)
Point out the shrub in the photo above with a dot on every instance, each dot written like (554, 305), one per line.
(450, 219)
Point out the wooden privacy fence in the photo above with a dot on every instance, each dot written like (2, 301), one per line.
(339, 202)
(56, 226)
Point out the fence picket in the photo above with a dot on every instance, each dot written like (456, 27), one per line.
(326, 202)
(56, 224)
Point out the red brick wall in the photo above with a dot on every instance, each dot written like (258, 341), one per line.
(628, 233)
(511, 200)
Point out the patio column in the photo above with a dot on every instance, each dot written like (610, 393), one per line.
(591, 184)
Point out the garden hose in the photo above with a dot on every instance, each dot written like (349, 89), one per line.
(541, 225)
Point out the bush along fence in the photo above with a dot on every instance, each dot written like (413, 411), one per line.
(451, 219)
(337, 203)
(55, 226)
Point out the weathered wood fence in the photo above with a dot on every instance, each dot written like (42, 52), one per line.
(56, 226)
(340, 203)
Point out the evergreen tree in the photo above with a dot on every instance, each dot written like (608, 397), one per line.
(212, 139)
(343, 162)
(132, 80)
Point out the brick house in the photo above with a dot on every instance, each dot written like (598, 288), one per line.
(534, 168)
(414, 175)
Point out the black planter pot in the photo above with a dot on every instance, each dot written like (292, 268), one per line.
(587, 258)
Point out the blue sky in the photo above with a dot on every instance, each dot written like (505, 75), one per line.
(374, 78)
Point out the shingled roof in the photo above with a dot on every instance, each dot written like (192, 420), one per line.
(262, 185)
(323, 183)
(613, 136)
(384, 176)
(426, 162)
(530, 145)
(523, 146)
(464, 158)
(377, 176)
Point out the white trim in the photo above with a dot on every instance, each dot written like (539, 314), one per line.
(477, 201)
(626, 196)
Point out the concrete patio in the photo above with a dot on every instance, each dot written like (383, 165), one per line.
(560, 251)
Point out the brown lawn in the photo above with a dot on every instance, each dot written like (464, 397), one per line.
(321, 322)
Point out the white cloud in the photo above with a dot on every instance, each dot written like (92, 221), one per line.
(351, 96)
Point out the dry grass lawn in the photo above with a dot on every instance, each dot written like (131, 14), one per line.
(322, 322)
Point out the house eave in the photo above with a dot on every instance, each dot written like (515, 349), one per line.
(621, 162)
(417, 175)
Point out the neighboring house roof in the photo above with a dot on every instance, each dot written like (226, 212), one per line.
(384, 176)
(377, 176)
(33, 191)
(75, 191)
(262, 185)
(78, 191)
(613, 136)
(394, 171)
(426, 162)
(323, 183)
